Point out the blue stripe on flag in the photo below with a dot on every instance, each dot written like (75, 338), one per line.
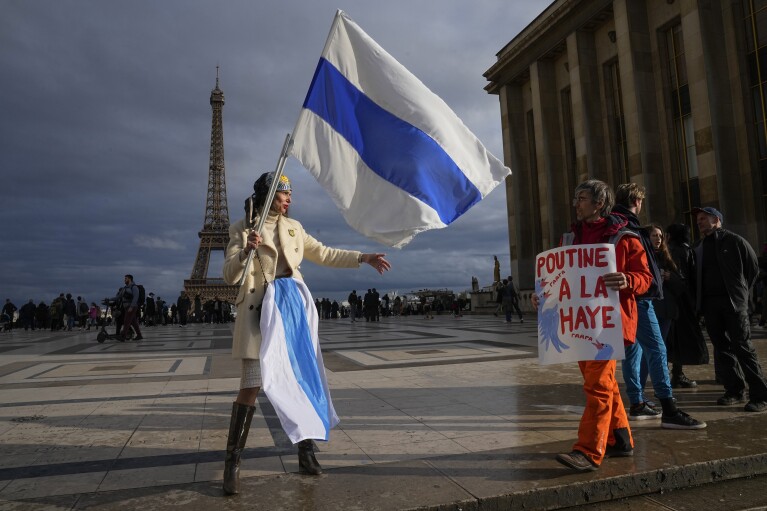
(397, 151)
(303, 360)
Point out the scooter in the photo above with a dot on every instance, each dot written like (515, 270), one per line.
(103, 335)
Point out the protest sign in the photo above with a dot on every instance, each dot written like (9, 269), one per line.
(579, 317)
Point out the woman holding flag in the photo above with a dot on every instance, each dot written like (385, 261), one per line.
(275, 333)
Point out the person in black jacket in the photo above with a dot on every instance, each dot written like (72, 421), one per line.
(686, 346)
(727, 269)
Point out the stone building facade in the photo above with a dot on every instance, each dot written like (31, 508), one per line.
(671, 94)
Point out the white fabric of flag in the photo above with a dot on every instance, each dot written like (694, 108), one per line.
(393, 156)
(292, 371)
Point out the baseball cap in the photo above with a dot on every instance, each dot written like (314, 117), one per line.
(709, 211)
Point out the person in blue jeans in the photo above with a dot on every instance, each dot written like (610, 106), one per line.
(649, 343)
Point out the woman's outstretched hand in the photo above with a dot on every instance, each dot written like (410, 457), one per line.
(377, 261)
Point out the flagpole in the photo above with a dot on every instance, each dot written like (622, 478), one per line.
(286, 147)
(269, 198)
(332, 30)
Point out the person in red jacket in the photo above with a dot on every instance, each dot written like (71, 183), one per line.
(604, 427)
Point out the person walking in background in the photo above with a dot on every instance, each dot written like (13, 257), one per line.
(217, 311)
(498, 299)
(93, 315)
(150, 310)
(604, 428)
(366, 304)
(515, 299)
(42, 317)
(128, 295)
(727, 269)
(70, 311)
(27, 315)
(9, 309)
(353, 305)
(56, 312)
(82, 313)
(506, 295)
(159, 305)
(376, 306)
(197, 308)
(184, 305)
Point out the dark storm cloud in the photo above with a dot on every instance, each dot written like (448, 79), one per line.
(105, 133)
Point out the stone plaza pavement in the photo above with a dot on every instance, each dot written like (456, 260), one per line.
(449, 413)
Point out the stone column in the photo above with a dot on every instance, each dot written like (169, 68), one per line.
(587, 108)
(552, 194)
(640, 105)
(723, 171)
(524, 226)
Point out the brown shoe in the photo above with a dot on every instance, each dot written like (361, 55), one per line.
(576, 460)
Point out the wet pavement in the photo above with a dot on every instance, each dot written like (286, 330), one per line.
(449, 413)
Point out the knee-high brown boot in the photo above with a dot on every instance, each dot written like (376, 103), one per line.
(238, 433)
(307, 463)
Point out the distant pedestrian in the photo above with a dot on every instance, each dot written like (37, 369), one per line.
(27, 315)
(93, 315)
(56, 312)
(515, 298)
(82, 313)
(70, 311)
(42, 317)
(128, 295)
(353, 305)
(197, 308)
(498, 299)
(150, 310)
(184, 305)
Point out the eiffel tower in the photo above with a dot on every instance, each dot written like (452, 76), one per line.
(215, 229)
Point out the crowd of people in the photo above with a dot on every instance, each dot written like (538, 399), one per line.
(66, 313)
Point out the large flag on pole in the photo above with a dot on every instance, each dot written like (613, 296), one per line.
(393, 156)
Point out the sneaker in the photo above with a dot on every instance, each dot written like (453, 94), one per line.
(139, 338)
(683, 382)
(614, 452)
(642, 411)
(576, 460)
(681, 420)
(731, 399)
(756, 406)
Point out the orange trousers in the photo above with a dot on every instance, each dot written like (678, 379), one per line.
(604, 411)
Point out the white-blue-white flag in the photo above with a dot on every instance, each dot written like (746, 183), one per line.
(292, 371)
(393, 156)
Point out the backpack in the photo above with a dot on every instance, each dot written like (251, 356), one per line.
(83, 308)
(656, 287)
(141, 295)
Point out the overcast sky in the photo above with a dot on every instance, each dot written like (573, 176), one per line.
(105, 134)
